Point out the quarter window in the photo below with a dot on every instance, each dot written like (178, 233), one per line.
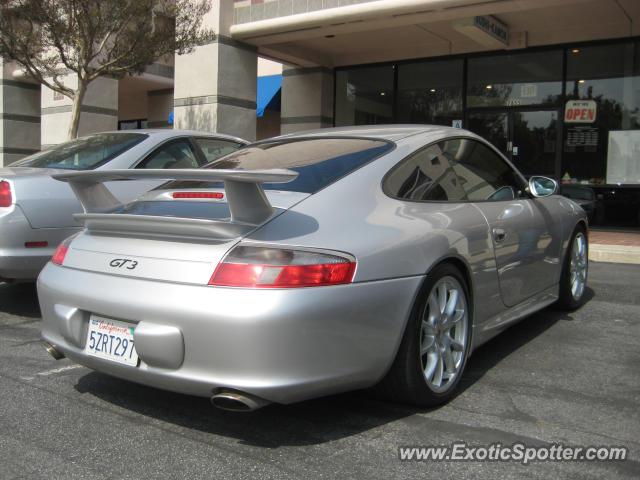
(214, 148)
(176, 154)
(425, 176)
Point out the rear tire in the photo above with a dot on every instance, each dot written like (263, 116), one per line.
(573, 280)
(435, 345)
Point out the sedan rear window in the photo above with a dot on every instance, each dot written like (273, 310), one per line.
(319, 161)
(84, 153)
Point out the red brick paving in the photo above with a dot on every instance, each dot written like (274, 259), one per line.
(614, 238)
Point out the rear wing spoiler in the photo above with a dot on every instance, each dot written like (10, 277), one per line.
(245, 196)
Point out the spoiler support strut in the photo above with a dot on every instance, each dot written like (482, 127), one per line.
(247, 201)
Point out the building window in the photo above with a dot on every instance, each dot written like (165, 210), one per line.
(608, 75)
(515, 80)
(430, 92)
(132, 124)
(364, 96)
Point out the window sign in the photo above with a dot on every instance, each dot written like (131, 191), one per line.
(582, 137)
(580, 111)
(529, 90)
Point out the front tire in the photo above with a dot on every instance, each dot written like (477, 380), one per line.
(435, 346)
(573, 280)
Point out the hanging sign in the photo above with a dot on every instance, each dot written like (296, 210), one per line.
(580, 111)
(492, 26)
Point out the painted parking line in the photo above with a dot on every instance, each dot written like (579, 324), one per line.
(53, 371)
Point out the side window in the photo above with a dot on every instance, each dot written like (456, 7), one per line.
(176, 154)
(214, 148)
(484, 175)
(425, 175)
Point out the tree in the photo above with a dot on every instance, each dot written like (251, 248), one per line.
(50, 39)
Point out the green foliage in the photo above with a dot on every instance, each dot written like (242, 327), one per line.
(52, 38)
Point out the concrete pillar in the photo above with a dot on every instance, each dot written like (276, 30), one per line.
(307, 99)
(19, 115)
(159, 108)
(215, 86)
(99, 111)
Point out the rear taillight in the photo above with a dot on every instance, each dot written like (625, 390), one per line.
(5, 194)
(40, 244)
(61, 252)
(260, 267)
(63, 248)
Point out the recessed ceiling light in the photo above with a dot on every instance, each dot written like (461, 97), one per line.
(433, 90)
(580, 81)
(575, 50)
(382, 94)
(489, 87)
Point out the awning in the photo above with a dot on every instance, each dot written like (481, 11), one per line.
(268, 95)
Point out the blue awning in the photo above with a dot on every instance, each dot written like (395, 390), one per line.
(268, 95)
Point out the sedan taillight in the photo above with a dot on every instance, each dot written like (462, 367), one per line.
(263, 267)
(6, 200)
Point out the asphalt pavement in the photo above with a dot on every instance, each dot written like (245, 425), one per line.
(555, 378)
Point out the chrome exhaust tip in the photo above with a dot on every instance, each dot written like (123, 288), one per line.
(237, 401)
(53, 351)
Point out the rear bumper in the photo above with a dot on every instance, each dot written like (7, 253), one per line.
(17, 261)
(283, 345)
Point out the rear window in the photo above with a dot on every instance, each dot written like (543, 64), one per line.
(319, 161)
(84, 153)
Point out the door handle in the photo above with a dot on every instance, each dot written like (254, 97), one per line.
(499, 235)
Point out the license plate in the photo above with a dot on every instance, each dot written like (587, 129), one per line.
(112, 340)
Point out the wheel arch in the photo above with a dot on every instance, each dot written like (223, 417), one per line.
(465, 270)
(579, 224)
(396, 378)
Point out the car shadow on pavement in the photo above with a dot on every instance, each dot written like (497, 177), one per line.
(19, 299)
(306, 423)
(511, 339)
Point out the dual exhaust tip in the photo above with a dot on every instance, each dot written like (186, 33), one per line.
(230, 400)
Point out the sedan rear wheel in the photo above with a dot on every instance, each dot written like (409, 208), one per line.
(435, 345)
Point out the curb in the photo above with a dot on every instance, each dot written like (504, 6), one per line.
(614, 253)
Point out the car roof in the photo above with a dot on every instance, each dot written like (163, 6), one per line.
(170, 133)
(391, 133)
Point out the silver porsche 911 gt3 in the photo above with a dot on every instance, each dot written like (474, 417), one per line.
(311, 264)
(36, 211)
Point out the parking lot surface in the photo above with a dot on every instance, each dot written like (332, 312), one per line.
(556, 378)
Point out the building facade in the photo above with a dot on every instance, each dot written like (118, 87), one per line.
(554, 84)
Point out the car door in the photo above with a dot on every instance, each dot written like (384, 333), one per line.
(521, 226)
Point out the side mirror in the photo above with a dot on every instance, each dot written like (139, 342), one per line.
(542, 186)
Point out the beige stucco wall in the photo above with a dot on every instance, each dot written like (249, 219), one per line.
(99, 110)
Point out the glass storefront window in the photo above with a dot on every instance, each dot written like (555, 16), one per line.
(515, 80)
(364, 96)
(430, 92)
(608, 75)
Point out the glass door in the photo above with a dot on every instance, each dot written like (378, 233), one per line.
(527, 138)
